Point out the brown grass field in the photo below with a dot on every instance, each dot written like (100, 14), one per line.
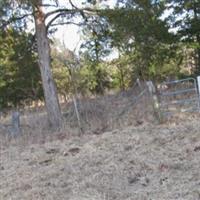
(129, 157)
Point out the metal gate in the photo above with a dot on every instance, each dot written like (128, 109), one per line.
(179, 96)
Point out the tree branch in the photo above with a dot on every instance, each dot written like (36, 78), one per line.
(67, 11)
(73, 6)
(62, 10)
(67, 23)
(12, 19)
(56, 17)
(48, 5)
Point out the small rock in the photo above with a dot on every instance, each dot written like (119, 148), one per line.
(74, 150)
(132, 162)
(144, 181)
(132, 180)
(27, 187)
(163, 167)
(197, 148)
(45, 162)
(139, 122)
(61, 136)
(65, 153)
(48, 184)
(97, 132)
(128, 148)
(64, 185)
(52, 151)
(163, 180)
(32, 162)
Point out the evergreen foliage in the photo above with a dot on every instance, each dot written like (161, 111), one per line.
(186, 20)
(19, 71)
(154, 40)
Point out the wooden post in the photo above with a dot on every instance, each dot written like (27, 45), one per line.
(139, 84)
(155, 102)
(15, 129)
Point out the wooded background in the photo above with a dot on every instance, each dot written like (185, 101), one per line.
(155, 40)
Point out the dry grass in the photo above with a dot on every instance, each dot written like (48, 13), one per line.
(122, 154)
(97, 115)
(145, 162)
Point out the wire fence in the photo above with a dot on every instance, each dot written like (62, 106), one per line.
(179, 96)
(97, 114)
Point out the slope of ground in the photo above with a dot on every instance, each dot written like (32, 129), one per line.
(135, 163)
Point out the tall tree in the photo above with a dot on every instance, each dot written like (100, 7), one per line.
(96, 46)
(45, 14)
(139, 31)
(50, 91)
(186, 21)
(15, 66)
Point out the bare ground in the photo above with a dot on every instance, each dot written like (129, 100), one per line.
(157, 162)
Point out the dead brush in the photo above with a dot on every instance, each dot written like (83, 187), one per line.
(93, 114)
(97, 115)
(109, 112)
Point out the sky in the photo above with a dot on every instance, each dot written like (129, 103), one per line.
(69, 34)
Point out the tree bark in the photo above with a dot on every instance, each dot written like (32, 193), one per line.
(50, 90)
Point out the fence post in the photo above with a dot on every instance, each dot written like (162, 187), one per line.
(15, 129)
(139, 84)
(77, 114)
(155, 102)
(198, 87)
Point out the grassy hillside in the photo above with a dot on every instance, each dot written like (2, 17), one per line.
(133, 163)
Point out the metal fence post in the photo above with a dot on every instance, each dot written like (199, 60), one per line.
(198, 83)
(198, 86)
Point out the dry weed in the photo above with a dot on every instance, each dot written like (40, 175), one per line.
(144, 162)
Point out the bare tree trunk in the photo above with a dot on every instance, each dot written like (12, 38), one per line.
(50, 91)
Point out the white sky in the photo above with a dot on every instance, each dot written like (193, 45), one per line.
(69, 33)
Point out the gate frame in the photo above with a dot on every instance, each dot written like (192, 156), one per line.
(195, 88)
